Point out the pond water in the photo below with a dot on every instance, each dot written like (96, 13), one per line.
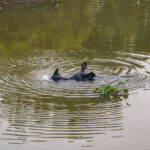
(113, 37)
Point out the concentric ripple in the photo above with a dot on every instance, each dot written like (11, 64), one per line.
(24, 76)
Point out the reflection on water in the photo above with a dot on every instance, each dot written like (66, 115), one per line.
(41, 120)
(112, 37)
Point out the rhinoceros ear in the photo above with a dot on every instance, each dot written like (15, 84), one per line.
(56, 72)
(83, 66)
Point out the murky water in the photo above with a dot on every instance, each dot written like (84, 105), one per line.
(35, 39)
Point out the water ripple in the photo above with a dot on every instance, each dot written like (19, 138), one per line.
(24, 76)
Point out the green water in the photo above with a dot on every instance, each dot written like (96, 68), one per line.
(113, 37)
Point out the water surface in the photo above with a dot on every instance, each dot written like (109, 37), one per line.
(35, 39)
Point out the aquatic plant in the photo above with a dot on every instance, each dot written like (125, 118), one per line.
(107, 90)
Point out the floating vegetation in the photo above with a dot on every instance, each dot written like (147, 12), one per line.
(111, 91)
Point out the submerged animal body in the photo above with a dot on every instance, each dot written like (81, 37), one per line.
(79, 76)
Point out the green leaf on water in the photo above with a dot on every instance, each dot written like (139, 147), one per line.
(97, 89)
(120, 83)
(108, 90)
(126, 91)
